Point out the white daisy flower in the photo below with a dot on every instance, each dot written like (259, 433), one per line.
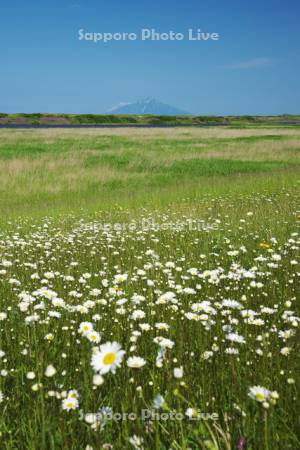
(234, 337)
(119, 278)
(30, 375)
(178, 372)
(107, 358)
(70, 404)
(50, 371)
(259, 393)
(85, 328)
(135, 362)
(98, 380)
(158, 401)
(93, 336)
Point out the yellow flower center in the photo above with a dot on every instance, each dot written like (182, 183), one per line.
(264, 245)
(117, 288)
(109, 358)
(70, 405)
(259, 397)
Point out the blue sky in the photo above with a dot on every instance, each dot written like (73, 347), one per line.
(253, 69)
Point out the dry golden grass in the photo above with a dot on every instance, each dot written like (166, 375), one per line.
(51, 135)
(65, 172)
(288, 150)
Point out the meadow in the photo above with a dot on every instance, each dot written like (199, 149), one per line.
(149, 288)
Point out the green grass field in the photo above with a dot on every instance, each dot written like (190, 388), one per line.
(57, 170)
(149, 289)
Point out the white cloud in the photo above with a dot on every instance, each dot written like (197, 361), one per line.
(251, 63)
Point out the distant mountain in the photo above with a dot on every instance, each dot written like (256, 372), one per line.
(147, 106)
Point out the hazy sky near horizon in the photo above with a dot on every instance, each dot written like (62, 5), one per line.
(253, 69)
